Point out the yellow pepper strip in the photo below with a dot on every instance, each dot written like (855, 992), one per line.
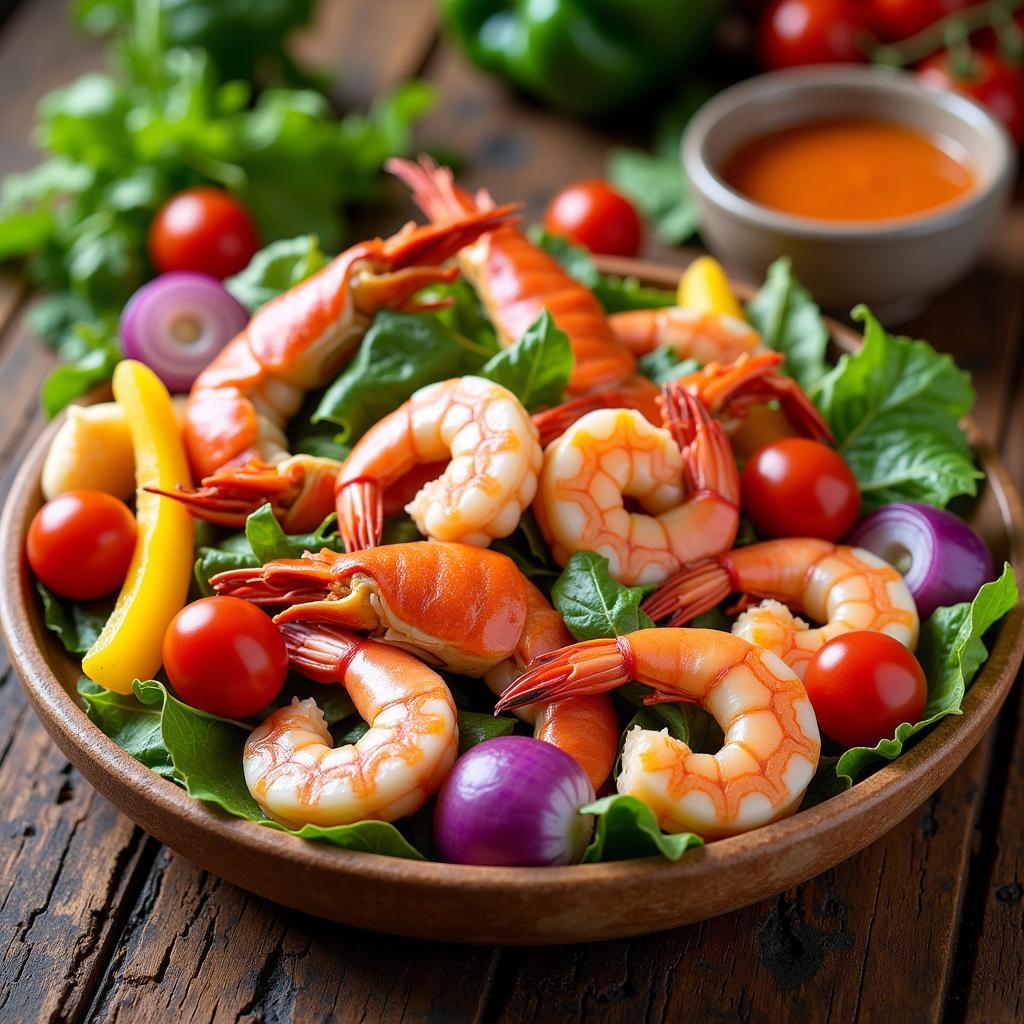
(129, 647)
(705, 288)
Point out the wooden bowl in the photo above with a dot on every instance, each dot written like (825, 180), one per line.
(505, 905)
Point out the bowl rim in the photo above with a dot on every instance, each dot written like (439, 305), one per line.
(69, 725)
(779, 85)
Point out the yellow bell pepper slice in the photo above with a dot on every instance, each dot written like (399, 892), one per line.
(129, 647)
(705, 288)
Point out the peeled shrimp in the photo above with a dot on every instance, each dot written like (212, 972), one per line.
(299, 777)
(708, 337)
(841, 587)
(481, 495)
(771, 744)
(684, 480)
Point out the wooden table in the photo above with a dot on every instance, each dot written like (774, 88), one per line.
(100, 922)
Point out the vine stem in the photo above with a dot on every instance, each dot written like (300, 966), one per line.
(958, 24)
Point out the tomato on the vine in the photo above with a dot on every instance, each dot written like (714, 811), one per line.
(796, 487)
(862, 685)
(797, 32)
(894, 20)
(987, 79)
(205, 230)
(223, 655)
(81, 543)
(593, 214)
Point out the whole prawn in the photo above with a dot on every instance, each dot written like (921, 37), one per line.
(240, 404)
(842, 587)
(516, 281)
(297, 775)
(771, 744)
(463, 608)
(684, 479)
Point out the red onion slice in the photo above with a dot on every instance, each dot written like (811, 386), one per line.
(177, 323)
(941, 558)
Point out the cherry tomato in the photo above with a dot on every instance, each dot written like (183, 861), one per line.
(894, 20)
(223, 655)
(798, 32)
(202, 229)
(799, 488)
(988, 80)
(862, 685)
(81, 544)
(593, 214)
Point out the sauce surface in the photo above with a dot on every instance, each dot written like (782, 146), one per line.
(848, 169)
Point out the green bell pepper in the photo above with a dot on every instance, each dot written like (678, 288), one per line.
(584, 56)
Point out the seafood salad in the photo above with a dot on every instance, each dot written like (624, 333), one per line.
(455, 547)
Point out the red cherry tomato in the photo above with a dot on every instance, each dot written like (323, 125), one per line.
(799, 488)
(81, 544)
(202, 229)
(798, 32)
(989, 81)
(894, 20)
(862, 685)
(223, 655)
(593, 214)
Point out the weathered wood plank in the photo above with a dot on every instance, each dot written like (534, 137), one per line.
(199, 949)
(365, 48)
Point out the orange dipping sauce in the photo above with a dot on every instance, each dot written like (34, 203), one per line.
(848, 169)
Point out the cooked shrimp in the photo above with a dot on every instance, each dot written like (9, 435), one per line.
(481, 495)
(684, 480)
(586, 728)
(453, 605)
(296, 774)
(516, 280)
(771, 744)
(691, 334)
(240, 404)
(841, 587)
(460, 607)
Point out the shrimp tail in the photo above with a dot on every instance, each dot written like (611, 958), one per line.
(708, 460)
(689, 593)
(589, 667)
(360, 506)
(320, 652)
(298, 492)
(434, 189)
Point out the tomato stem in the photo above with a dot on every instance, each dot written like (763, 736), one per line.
(957, 26)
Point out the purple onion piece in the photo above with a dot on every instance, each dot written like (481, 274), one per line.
(941, 558)
(514, 801)
(177, 323)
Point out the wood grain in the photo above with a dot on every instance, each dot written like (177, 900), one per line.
(801, 953)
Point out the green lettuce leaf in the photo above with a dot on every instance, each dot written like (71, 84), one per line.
(276, 268)
(134, 727)
(528, 549)
(269, 542)
(401, 353)
(658, 187)
(788, 320)
(233, 553)
(895, 408)
(626, 828)
(536, 369)
(475, 727)
(593, 604)
(663, 365)
(951, 651)
(77, 623)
